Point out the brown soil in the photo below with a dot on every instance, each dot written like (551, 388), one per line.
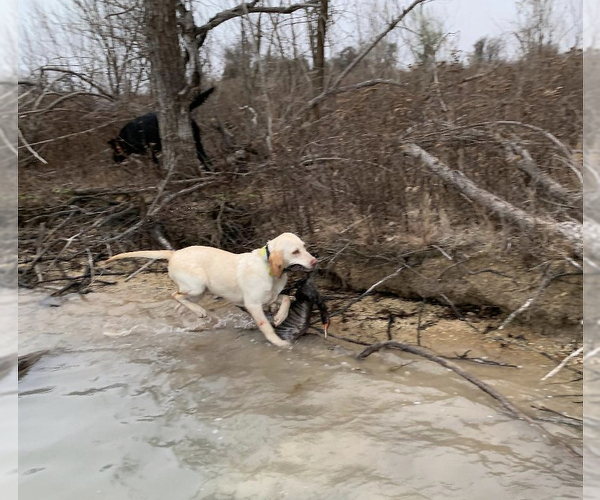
(480, 284)
(438, 328)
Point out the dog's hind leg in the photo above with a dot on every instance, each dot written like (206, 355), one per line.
(184, 300)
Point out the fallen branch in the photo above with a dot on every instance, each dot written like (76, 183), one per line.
(562, 418)
(553, 372)
(346, 339)
(528, 303)
(571, 232)
(559, 144)
(457, 312)
(565, 150)
(504, 341)
(481, 361)
(79, 278)
(159, 235)
(363, 295)
(29, 148)
(144, 267)
(419, 351)
(521, 158)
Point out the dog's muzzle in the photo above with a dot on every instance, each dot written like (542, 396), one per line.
(298, 268)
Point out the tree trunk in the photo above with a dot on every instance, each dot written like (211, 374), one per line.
(319, 60)
(169, 84)
(318, 51)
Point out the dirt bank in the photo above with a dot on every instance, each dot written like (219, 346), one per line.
(477, 283)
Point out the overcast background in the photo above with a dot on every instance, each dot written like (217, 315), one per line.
(356, 20)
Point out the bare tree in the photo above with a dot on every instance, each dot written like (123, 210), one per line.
(318, 46)
(88, 45)
(117, 32)
(536, 27)
(487, 50)
(425, 37)
(175, 75)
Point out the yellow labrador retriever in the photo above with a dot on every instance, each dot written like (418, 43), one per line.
(252, 280)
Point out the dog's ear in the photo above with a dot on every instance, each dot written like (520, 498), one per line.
(276, 263)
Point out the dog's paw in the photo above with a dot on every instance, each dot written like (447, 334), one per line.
(279, 318)
(282, 344)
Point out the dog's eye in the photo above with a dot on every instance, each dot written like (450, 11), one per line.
(295, 252)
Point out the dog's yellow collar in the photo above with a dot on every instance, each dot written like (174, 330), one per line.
(264, 252)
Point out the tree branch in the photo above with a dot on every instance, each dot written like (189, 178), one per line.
(357, 86)
(83, 78)
(377, 39)
(333, 89)
(553, 372)
(241, 10)
(29, 148)
(525, 162)
(56, 102)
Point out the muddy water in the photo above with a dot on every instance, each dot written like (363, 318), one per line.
(128, 404)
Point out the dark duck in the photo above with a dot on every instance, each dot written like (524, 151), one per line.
(298, 320)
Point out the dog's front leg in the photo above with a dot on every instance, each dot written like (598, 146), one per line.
(257, 313)
(284, 309)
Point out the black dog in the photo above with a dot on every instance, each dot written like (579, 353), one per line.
(142, 134)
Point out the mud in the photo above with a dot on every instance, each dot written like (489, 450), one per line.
(478, 280)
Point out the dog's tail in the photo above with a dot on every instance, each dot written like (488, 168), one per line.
(145, 254)
(201, 98)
